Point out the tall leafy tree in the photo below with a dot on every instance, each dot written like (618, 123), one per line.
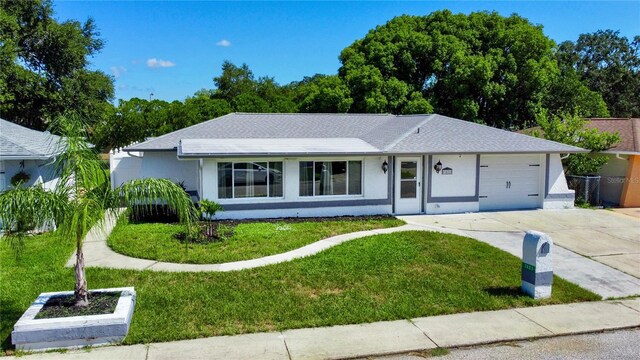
(43, 65)
(322, 94)
(480, 67)
(609, 64)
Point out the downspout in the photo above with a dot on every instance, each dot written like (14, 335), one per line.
(135, 156)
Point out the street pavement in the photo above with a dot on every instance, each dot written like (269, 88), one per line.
(619, 344)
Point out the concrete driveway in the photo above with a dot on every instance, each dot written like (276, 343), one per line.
(605, 236)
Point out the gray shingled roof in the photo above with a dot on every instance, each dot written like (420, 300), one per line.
(401, 134)
(18, 142)
(445, 135)
(378, 130)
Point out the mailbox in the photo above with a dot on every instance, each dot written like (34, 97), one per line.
(537, 267)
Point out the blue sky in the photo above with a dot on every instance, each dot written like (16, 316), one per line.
(172, 49)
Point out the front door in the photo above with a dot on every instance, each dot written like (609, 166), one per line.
(408, 185)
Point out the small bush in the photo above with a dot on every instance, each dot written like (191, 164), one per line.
(20, 178)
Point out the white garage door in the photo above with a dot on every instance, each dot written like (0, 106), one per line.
(510, 182)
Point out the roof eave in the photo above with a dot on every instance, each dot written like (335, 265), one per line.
(486, 152)
(29, 157)
(276, 154)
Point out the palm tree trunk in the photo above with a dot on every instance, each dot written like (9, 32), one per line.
(81, 293)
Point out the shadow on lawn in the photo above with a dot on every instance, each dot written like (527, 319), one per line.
(10, 315)
(505, 291)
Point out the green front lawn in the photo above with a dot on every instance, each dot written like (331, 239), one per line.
(382, 277)
(252, 240)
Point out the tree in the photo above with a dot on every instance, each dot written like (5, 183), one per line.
(480, 67)
(608, 64)
(322, 94)
(234, 81)
(239, 87)
(570, 129)
(81, 198)
(43, 65)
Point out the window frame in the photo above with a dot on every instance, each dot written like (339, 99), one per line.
(347, 195)
(233, 178)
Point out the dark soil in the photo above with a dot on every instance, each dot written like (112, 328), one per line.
(63, 306)
(305, 219)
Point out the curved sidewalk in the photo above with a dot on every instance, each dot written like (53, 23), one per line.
(98, 254)
(583, 271)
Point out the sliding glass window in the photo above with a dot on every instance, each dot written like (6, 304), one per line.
(249, 179)
(321, 178)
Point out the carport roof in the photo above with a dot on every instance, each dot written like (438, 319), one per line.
(384, 133)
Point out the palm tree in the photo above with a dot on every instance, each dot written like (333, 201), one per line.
(81, 198)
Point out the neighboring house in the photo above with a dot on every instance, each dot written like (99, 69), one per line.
(620, 182)
(29, 151)
(287, 165)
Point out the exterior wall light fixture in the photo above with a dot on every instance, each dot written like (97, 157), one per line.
(437, 167)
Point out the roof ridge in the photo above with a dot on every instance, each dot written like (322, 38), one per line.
(409, 132)
(333, 114)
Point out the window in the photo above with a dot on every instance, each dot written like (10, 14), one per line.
(319, 178)
(249, 179)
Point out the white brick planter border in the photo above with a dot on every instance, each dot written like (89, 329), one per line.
(75, 331)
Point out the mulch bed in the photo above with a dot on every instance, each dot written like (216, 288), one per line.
(63, 306)
(304, 219)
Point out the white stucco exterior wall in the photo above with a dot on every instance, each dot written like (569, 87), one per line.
(162, 165)
(452, 207)
(557, 195)
(374, 198)
(40, 172)
(462, 182)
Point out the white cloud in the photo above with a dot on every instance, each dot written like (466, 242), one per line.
(224, 43)
(117, 71)
(159, 63)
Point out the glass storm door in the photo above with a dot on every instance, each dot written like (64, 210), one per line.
(408, 186)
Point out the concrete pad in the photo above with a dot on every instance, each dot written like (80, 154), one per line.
(540, 220)
(633, 212)
(479, 328)
(249, 346)
(628, 263)
(133, 352)
(590, 242)
(632, 303)
(582, 317)
(356, 340)
(626, 233)
(589, 274)
(452, 221)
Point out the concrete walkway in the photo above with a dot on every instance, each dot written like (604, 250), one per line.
(98, 254)
(387, 337)
(589, 274)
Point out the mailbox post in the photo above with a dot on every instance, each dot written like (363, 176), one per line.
(537, 267)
